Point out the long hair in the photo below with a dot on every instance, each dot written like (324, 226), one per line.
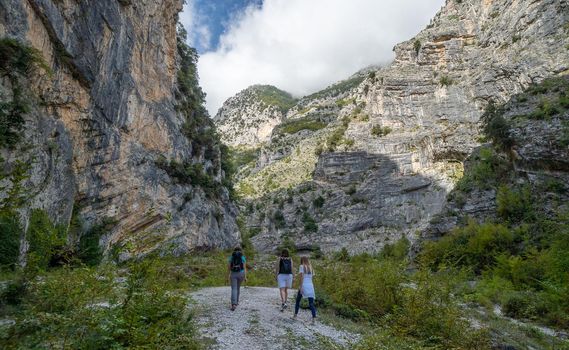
(307, 267)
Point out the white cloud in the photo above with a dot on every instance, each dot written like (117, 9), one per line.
(302, 46)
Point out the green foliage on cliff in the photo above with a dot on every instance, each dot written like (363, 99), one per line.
(45, 240)
(519, 254)
(272, 96)
(199, 130)
(190, 174)
(17, 62)
(295, 125)
(379, 131)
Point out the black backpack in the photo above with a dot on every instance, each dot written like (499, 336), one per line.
(285, 266)
(236, 261)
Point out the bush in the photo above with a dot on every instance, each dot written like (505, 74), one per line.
(445, 81)
(45, 240)
(335, 139)
(486, 170)
(378, 282)
(497, 128)
(396, 251)
(514, 204)
(279, 219)
(83, 309)
(295, 125)
(309, 223)
(475, 246)
(318, 202)
(417, 46)
(379, 131)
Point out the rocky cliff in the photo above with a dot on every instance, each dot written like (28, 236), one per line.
(114, 126)
(248, 118)
(374, 157)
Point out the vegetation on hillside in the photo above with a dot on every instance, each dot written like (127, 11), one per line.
(520, 255)
(209, 156)
(293, 126)
(272, 96)
(336, 89)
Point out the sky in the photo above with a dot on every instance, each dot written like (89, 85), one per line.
(300, 46)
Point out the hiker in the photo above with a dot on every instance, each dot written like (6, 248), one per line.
(283, 274)
(306, 288)
(237, 274)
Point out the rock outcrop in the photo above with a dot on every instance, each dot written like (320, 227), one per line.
(248, 118)
(373, 158)
(102, 122)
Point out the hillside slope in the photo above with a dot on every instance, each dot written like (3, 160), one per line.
(374, 157)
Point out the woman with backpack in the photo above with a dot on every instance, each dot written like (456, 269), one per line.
(284, 276)
(306, 287)
(237, 274)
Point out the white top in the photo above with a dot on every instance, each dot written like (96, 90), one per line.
(307, 285)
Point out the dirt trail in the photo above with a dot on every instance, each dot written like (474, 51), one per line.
(257, 324)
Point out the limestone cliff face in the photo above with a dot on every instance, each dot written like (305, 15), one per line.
(248, 118)
(374, 157)
(101, 121)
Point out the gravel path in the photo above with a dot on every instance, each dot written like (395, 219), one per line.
(258, 323)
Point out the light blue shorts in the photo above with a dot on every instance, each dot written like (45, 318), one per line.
(285, 281)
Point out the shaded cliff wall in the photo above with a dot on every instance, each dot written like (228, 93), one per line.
(110, 110)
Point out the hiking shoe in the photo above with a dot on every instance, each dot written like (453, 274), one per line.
(233, 307)
(283, 306)
(313, 322)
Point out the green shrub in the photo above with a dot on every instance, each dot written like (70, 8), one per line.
(475, 246)
(379, 131)
(396, 251)
(514, 204)
(191, 174)
(318, 202)
(295, 125)
(45, 240)
(445, 81)
(85, 309)
(487, 170)
(429, 312)
(310, 224)
(417, 46)
(496, 128)
(379, 282)
(279, 219)
(335, 139)
(344, 102)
